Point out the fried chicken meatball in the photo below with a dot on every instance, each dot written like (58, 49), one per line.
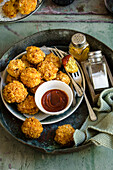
(1, 1)
(28, 106)
(33, 90)
(9, 9)
(9, 79)
(35, 55)
(24, 60)
(63, 77)
(32, 128)
(48, 70)
(30, 77)
(69, 64)
(54, 59)
(27, 6)
(64, 135)
(15, 67)
(14, 92)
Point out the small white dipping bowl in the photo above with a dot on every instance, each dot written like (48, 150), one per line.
(49, 85)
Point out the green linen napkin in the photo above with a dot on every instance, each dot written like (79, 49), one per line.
(99, 132)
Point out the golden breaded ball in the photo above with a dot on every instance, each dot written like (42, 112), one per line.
(32, 128)
(28, 106)
(35, 55)
(15, 67)
(9, 9)
(1, 1)
(63, 77)
(69, 64)
(27, 6)
(24, 60)
(33, 90)
(14, 92)
(13, 1)
(10, 79)
(48, 70)
(30, 77)
(54, 59)
(64, 135)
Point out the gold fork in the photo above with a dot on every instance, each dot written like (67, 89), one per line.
(60, 55)
(92, 114)
(77, 78)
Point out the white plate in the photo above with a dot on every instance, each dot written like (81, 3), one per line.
(4, 18)
(47, 119)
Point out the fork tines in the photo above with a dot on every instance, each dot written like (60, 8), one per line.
(60, 55)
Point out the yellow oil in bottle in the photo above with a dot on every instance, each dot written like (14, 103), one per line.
(79, 47)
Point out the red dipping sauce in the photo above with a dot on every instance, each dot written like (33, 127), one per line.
(54, 100)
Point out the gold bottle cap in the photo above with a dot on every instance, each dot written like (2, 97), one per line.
(78, 40)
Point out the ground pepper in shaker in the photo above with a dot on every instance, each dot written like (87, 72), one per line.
(97, 70)
(79, 47)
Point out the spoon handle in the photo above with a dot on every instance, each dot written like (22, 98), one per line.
(92, 114)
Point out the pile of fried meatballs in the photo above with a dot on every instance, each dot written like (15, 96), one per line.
(24, 76)
(12, 7)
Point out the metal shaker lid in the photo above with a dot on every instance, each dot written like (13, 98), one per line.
(95, 53)
(95, 56)
(78, 40)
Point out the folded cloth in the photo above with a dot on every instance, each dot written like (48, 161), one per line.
(99, 132)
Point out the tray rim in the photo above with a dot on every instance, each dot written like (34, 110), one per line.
(42, 150)
(67, 150)
(32, 35)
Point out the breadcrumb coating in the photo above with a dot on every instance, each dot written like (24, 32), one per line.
(10, 79)
(30, 77)
(63, 77)
(9, 9)
(32, 128)
(27, 6)
(24, 60)
(15, 67)
(35, 55)
(14, 92)
(48, 70)
(28, 106)
(12, 7)
(54, 59)
(33, 90)
(64, 134)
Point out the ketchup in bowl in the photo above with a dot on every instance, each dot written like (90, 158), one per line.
(54, 100)
(53, 97)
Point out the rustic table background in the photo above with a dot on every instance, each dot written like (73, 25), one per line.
(87, 16)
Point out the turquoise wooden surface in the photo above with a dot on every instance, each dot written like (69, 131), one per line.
(17, 156)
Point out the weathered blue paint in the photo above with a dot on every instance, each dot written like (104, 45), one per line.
(18, 156)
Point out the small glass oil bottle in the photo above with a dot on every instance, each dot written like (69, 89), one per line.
(97, 70)
(79, 47)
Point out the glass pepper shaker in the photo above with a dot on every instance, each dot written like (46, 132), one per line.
(79, 47)
(97, 70)
(63, 2)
